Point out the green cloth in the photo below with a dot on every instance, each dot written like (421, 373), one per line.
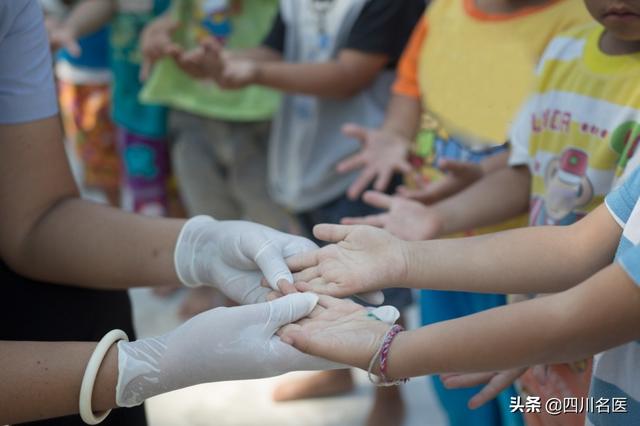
(169, 86)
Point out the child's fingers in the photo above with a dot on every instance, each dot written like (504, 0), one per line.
(457, 381)
(286, 287)
(274, 295)
(307, 274)
(322, 287)
(362, 183)
(377, 220)
(302, 261)
(354, 131)
(331, 233)
(73, 48)
(354, 162)
(383, 180)
(378, 199)
(499, 383)
(329, 302)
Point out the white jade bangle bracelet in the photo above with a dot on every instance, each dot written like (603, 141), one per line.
(90, 374)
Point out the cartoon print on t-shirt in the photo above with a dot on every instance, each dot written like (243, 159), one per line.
(567, 188)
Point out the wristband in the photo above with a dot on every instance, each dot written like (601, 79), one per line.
(90, 374)
(383, 355)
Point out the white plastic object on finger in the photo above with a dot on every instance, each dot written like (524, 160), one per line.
(90, 374)
(372, 298)
(386, 314)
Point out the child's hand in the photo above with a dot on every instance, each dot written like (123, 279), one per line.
(155, 42)
(459, 176)
(341, 331)
(203, 62)
(364, 260)
(237, 73)
(406, 219)
(382, 155)
(61, 37)
(495, 383)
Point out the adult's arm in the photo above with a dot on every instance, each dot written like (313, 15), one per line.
(48, 233)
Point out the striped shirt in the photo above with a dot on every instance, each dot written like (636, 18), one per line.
(616, 372)
(580, 128)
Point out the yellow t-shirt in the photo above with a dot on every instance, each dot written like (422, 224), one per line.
(580, 128)
(472, 70)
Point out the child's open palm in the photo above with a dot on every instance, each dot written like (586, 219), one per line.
(363, 260)
(341, 330)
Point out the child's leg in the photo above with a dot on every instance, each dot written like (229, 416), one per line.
(248, 176)
(202, 175)
(146, 172)
(86, 116)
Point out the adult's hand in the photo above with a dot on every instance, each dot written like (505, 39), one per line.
(233, 256)
(222, 344)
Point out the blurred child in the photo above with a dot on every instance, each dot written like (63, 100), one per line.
(335, 61)
(84, 88)
(467, 69)
(141, 128)
(218, 137)
(577, 132)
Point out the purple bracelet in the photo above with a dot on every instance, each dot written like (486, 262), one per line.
(383, 355)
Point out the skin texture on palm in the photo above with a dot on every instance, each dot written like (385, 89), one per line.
(346, 267)
(335, 327)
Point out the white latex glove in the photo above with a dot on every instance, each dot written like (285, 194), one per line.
(222, 344)
(233, 256)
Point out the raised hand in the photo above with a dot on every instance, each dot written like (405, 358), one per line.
(406, 219)
(382, 155)
(156, 42)
(459, 175)
(495, 382)
(363, 260)
(341, 331)
(203, 62)
(62, 37)
(237, 73)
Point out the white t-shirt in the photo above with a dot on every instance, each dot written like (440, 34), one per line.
(27, 90)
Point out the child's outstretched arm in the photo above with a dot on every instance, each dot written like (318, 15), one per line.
(85, 18)
(529, 260)
(601, 313)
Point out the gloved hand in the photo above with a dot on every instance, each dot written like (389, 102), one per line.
(222, 344)
(234, 255)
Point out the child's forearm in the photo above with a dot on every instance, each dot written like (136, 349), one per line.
(258, 54)
(342, 78)
(499, 196)
(403, 116)
(89, 16)
(528, 260)
(565, 327)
